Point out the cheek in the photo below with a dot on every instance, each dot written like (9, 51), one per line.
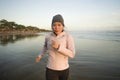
(61, 29)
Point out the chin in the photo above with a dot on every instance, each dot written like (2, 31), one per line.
(57, 33)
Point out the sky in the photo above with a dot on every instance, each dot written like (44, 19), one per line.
(77, 14)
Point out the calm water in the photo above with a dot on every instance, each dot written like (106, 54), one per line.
(97, 56)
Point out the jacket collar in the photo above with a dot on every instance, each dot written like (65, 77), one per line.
(60, 35)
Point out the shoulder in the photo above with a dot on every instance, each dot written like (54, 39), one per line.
(68, 35)
(69, 38)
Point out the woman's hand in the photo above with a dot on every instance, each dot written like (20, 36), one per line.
(38, 59)
(55, 44)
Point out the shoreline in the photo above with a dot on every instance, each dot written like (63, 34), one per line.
(20, 32)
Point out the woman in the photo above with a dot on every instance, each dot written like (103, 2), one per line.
(60, 46)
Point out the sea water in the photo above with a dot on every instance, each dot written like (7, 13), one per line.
(97, 56)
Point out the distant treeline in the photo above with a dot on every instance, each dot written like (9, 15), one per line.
(10, 26)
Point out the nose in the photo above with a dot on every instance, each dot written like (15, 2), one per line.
(56, 27)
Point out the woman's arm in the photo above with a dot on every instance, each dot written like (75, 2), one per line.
(70, 49)
(42, 52)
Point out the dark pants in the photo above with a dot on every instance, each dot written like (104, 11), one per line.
(57, 75)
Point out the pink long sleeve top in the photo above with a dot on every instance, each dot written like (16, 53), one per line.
(58, 58)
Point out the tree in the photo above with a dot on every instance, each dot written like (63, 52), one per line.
(11, 26)
(5, 24)
(20, 27)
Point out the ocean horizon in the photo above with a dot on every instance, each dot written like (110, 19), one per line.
(98, 35)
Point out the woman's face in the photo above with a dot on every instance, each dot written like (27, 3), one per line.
(57, 28)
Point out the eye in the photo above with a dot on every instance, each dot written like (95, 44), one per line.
(59, 24)
(54, 25)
